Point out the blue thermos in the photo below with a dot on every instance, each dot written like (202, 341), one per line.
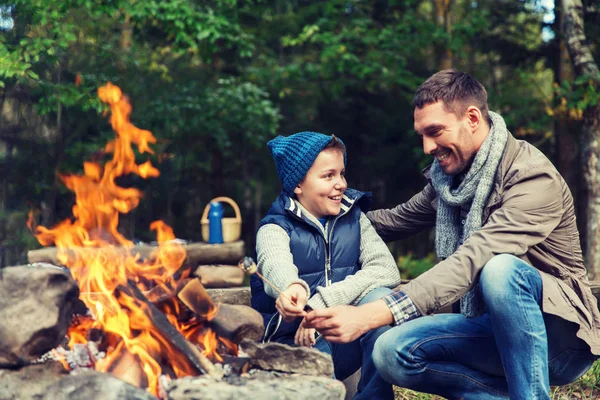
(215, 226)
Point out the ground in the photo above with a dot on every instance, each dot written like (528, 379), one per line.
(587, 387)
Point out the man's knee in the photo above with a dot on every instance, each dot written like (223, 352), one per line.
(375, 294)
(385, 355)
(505, 274)
(392, 355)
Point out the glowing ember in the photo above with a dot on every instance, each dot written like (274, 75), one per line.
(100, 258)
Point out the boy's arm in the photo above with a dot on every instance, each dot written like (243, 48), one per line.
(407, 218)
(275, 260)
(378, 269)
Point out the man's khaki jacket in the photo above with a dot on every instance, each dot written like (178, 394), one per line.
(529, 214)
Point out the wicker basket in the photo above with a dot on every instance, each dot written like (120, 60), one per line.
(232, 227)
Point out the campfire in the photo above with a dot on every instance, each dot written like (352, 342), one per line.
(138, 319)
(135, 307)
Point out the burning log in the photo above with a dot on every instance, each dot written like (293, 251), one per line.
(159, 294)
(237, 322)
(196, 253)
(128, 368)
(220, 276)
(233, 322)
(195, 297)
(197, 361)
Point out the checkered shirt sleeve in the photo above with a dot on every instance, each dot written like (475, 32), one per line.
(401, 306)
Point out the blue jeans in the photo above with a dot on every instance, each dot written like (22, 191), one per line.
(513, 351)
(349, 357)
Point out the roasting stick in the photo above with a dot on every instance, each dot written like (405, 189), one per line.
(248, 265)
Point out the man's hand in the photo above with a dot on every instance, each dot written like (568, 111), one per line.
(345, 324)
(339, 324)
(295, 293)
(305, 336)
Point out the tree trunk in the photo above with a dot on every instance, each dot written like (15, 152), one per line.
(444, 21)
(584, 65)
(567, 148)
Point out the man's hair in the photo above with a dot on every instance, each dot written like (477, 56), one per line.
(335, 144)
(456, 90)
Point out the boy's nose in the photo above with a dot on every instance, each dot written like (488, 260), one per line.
(341, 184)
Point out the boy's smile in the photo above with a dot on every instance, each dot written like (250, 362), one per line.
(320, 192)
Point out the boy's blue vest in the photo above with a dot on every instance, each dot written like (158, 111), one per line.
(311, 251)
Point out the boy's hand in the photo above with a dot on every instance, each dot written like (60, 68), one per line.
(305, 336)
(288, 310)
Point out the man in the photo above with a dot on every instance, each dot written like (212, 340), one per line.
(506, 234)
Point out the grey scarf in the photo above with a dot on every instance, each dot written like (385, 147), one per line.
(475, 189)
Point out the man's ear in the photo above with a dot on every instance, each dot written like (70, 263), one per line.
(474, 117)
(298, 190)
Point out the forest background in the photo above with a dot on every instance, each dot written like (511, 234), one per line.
(215, 80)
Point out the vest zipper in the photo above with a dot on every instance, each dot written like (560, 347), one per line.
(328, 274)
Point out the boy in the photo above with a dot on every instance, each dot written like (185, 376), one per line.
(319, 248)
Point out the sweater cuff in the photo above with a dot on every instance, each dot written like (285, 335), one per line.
(401, 306)
(316, 302)
(299, 282)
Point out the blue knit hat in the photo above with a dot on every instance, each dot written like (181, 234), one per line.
(295, 154)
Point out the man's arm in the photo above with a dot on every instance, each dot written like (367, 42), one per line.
(344, 324)
(406, 219)
(531, 208)
(377, 269)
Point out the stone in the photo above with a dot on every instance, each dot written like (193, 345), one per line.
(257, 384)
(284, 358)
(30, 382)
(93, 385)
(36, 307)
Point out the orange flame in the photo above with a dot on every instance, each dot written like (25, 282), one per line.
(100, 259)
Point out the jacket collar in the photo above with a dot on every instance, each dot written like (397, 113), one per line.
(350, 198)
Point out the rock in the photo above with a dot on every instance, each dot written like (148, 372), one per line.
(92, 385)
(29, 382)
(257, 385)
(36, 306)
(284, 358)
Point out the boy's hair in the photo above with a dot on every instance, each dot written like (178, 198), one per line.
(336, 144)
(295, 154)
(456, 90)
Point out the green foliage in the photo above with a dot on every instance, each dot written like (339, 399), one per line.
(411, 267)
(215, 80)
(576, 96)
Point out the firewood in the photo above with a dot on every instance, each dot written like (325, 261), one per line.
(159, 294)
(233, 322)
(237, 322)
(196, 253)
(128, 368)
(220, 276)
(197, 361)
(195, 297)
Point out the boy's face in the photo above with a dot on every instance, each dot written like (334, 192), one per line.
(321, 190)
(446, 137)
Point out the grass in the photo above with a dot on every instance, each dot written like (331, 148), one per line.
(586, 388)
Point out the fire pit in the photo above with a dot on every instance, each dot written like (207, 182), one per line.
(143, 320)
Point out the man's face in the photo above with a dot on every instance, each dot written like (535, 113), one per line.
(321, 190)
(446, 137)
